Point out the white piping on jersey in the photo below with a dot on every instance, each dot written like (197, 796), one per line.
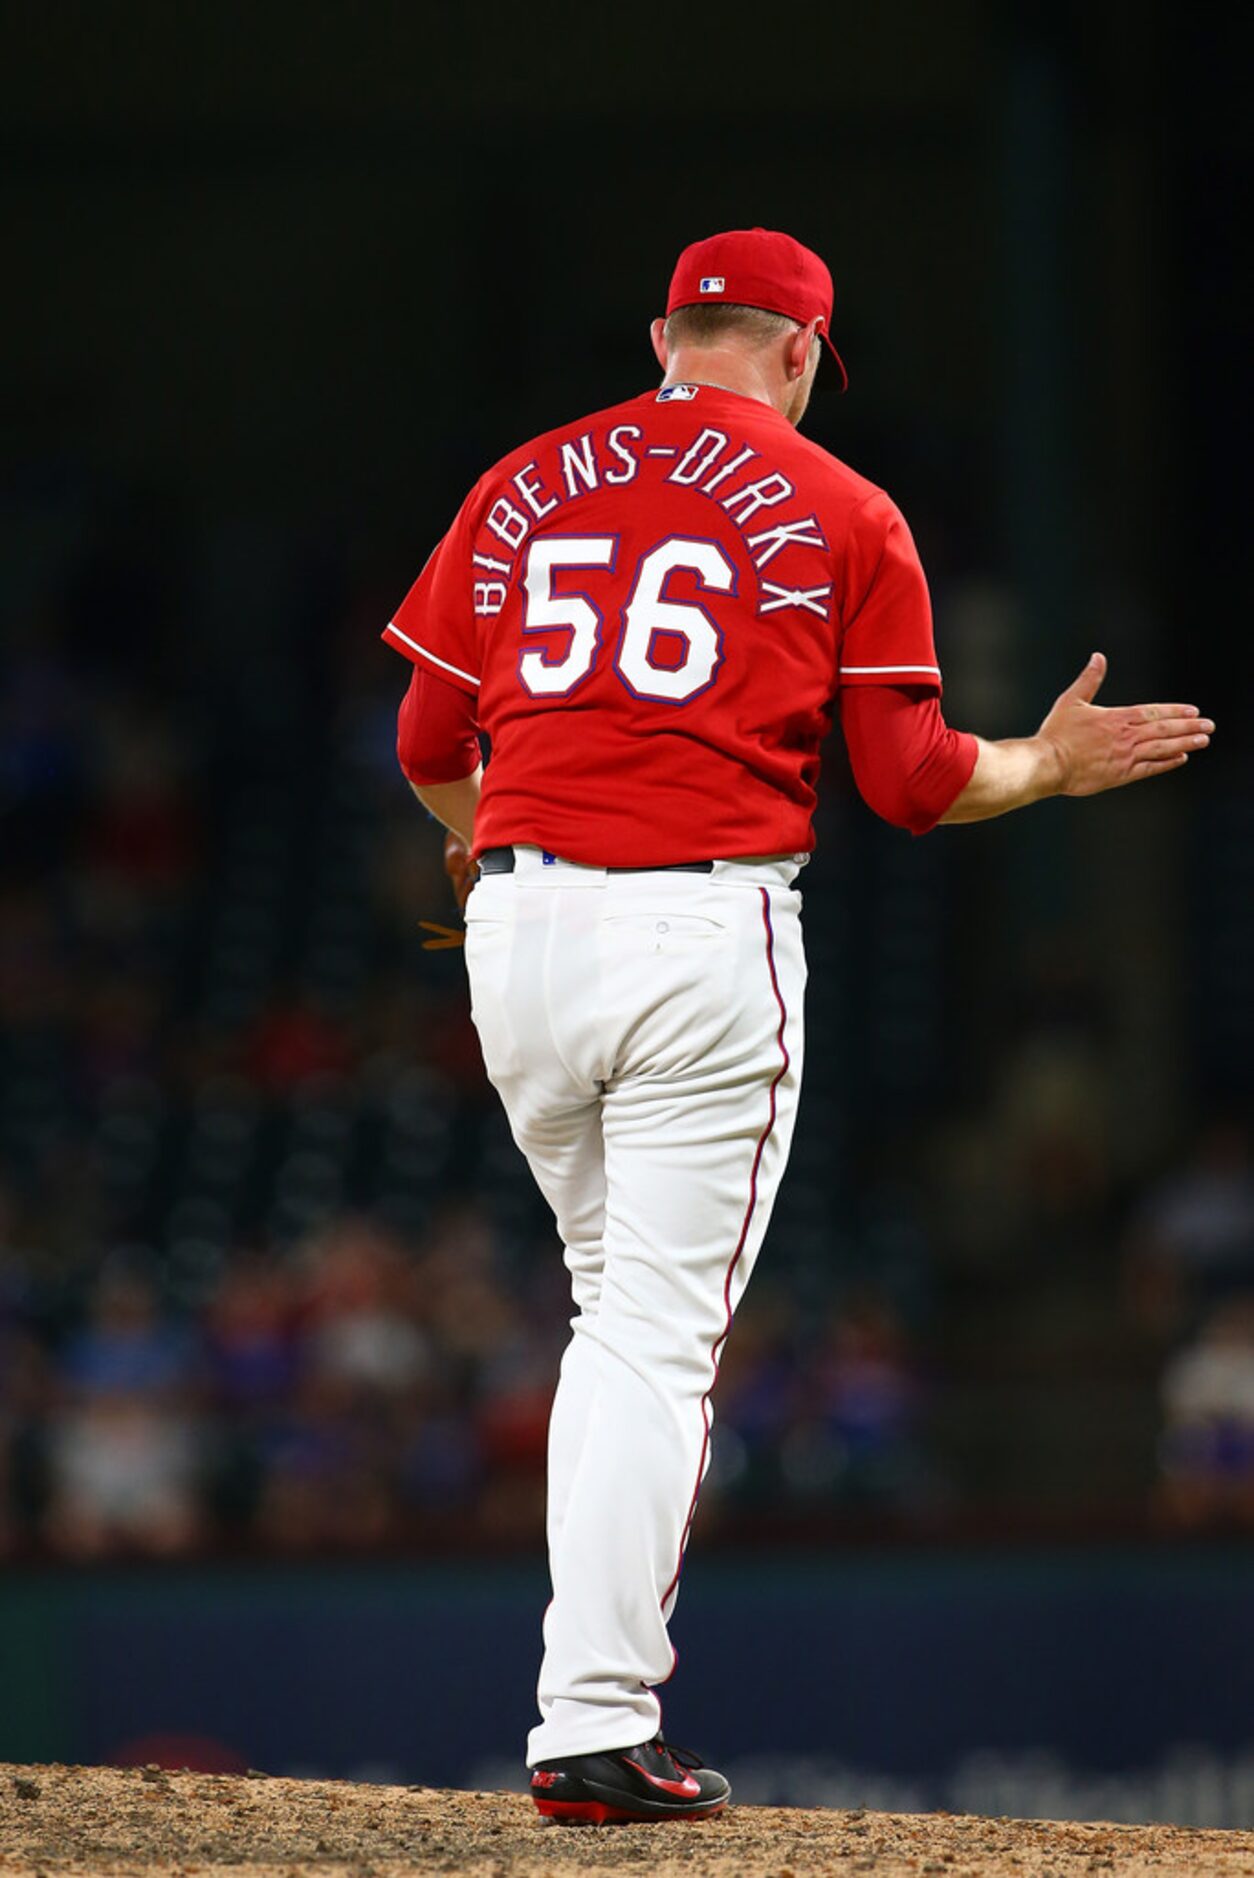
(851, 670)
(442, 663)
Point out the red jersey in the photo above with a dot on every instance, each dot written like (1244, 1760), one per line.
(654, 608)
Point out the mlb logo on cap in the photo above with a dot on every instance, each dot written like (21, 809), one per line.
(713, 283)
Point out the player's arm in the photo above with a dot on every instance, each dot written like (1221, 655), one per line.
(1081, 749)
(910, 766)
(453, 803)
(437, 746)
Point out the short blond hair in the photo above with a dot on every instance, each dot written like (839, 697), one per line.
(705, 324)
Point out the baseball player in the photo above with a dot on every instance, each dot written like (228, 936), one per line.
(652, 613)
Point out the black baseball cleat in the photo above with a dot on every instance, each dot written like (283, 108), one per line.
(628, 1785)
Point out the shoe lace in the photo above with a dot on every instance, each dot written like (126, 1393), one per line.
(682, 1757)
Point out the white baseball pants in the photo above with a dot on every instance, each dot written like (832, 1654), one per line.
(644, 1031)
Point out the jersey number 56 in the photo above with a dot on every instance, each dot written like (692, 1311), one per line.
(693, 639)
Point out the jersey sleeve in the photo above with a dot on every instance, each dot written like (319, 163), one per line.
(886, 636)
(435, 623)
(437, 739)
(908, 764)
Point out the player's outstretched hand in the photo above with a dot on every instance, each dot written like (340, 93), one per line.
(1103, 749)
(461, 870)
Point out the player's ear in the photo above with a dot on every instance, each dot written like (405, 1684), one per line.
(657, 332)
(800, 345)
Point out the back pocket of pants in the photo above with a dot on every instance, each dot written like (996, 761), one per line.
(664, 932)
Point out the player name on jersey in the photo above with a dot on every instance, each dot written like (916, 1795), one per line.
(711, 462)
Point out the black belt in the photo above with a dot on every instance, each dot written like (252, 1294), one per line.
(501, 861)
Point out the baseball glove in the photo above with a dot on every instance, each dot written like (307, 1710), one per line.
(463, 872)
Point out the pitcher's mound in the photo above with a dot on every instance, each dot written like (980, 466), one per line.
(110, 1823)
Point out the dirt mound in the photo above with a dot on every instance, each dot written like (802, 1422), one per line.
(110, 1822)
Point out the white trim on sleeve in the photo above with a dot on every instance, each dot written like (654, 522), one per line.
(847, 671)
(443, 664)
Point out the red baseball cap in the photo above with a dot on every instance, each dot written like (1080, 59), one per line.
(757, 267)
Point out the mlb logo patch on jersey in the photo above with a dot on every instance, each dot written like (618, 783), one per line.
(676, 391)
(713, 283)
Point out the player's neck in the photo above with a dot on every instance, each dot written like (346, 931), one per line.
(723, 369)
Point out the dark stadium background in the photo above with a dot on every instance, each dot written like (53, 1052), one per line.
(278, 1311)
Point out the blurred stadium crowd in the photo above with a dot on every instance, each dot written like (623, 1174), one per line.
(272, 1275)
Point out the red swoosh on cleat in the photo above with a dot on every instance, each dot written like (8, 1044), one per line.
(686, 1789)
